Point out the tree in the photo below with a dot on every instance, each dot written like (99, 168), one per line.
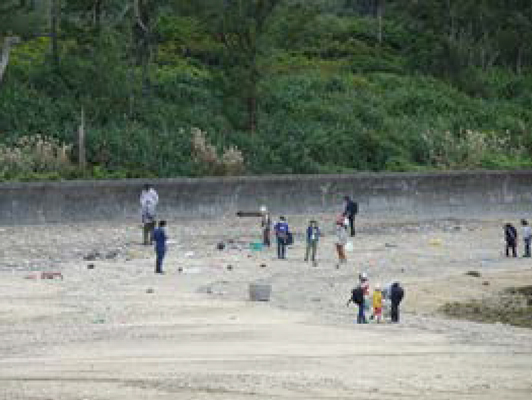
(9, 41)
(241, 29)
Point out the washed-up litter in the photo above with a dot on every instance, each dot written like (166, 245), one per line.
(51, 275)
(435, 242)
(189, 254)
(191, 270)
(256, 246)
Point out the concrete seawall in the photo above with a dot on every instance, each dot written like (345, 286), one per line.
(456, 194)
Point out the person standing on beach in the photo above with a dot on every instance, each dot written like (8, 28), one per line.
(148, 202)
(341, 240)
(281, 233)
(510, 236)
(160, 237)
(396, 296)
(357, 297)
(313, 237)
(527, 236)
(377, 303)
(266, 225)
(351, 209)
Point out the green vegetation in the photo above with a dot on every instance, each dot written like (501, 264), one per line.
(272, 86)
(512, 306)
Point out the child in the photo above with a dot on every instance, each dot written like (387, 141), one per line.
(341, 240)
(159, 236)
(377, 303)
(281, 232)
(313, 237)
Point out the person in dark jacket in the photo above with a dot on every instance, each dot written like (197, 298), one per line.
(510, 235)
(396, 296)
(357, 297)
(159, 237)
(281, 233)
(351, 209)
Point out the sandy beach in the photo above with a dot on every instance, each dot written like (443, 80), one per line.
(117, 331)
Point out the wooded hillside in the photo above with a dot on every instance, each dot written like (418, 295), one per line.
(214, 87)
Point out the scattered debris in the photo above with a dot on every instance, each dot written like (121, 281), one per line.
(474, 274)
(229, 267)
(263, 265)
(256, 246)
(204, 289)
(90, 266)
(111, 255)
(92, 256)
(220, 246)
(260, 291)
(315, 299)
(51, 275)
(180, 269)
(150, 290)
(486, 283)
(391, 245)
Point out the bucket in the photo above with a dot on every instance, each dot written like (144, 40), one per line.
(256, 246)
(260, 291)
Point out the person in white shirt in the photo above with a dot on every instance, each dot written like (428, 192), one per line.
(148, 203)
(527, 236)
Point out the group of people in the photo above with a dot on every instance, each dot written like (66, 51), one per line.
(511, 238)
(344, 227)
(284, 237)
(391, 297)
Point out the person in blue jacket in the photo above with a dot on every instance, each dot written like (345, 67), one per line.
(160, 237)
(281, 233)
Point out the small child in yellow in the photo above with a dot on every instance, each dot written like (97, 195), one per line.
(377, 303)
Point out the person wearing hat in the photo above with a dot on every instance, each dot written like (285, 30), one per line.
(266, 225)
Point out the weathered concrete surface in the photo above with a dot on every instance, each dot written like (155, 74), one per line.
(455, 194)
